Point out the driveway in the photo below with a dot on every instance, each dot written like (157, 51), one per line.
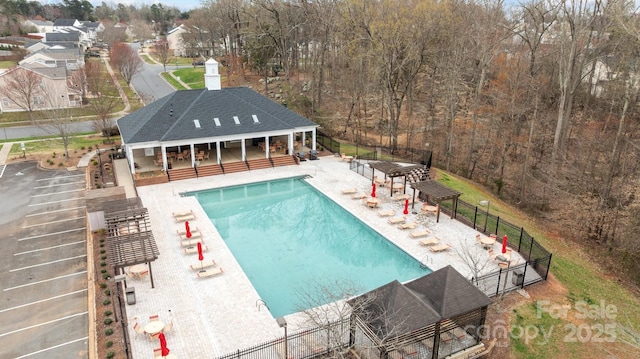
(43, 264)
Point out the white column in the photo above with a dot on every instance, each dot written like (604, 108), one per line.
(164, 157)
(244, 150)
(132, 162)
(290, 143)
(304, 138)
(218, 152)
(313, 139)
(193, 155)
(266, 146)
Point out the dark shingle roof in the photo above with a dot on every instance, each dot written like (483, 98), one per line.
(172, 117)
(448, 292)
(437, 296)
(62, 36)
(64, 22)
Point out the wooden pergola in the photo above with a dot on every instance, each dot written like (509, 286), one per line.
(437, 193)
(129, 237)
(393, 170)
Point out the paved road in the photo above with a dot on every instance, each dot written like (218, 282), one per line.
(9, 133)
(43, 263)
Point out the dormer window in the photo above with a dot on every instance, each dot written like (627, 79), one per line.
(236, 120)
(196, 123)
(217, 121)
(255, 119)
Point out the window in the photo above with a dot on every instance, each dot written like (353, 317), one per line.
(5, 102)
(38, 101)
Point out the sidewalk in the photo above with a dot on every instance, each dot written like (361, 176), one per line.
(4, 152)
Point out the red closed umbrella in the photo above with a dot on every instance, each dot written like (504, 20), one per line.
(200, 256)
(163, 345)
(186, 226)
(504, 244)
(406, 206)
(373, 190)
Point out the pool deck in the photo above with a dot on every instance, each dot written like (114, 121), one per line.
(220, 314)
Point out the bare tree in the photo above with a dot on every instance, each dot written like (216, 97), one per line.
(56, 118)
(162, 53)
(104, 99)
(126, 60)
(22, 87)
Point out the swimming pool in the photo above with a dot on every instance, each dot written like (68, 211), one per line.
(290, 239)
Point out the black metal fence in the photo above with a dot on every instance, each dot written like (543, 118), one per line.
(536, 257)
(326, 141)
(307, 344)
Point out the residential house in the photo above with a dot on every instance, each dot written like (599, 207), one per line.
(176, 42)
(61, 24)
(51, 92)
(41, 26)
(71, 59)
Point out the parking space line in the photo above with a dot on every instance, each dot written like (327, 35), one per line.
(53, 347)
(4, 167)
(43, 300)
(54, 202)
(51, 234)
(50, 194)
(42, 324)
(52, 222)
(47, 263)
(48, 248)
(59, 184)
(56, 178)
(58, 210)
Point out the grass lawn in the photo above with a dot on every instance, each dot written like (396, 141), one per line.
(194, 77)
(578, 318)
(7, 64)
(173, 82)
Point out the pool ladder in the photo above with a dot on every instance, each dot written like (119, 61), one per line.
(424, 263)
(260, 303)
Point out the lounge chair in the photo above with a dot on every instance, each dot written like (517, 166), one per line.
(359, 196)
(209, 272)
(439, 248)
(183, 213)
(194, 235)
(401, 197)
(194, 249)
(350, 191)
(188, 217)
(346, 158)
(431, 241)
(386, 213)
(203, 264)
(410, 225)
(183, 230)
(419, 233)
(191, 242)
(396, 220)
(313, 155)
(301, 156)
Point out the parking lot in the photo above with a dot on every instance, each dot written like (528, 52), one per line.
(43, 263)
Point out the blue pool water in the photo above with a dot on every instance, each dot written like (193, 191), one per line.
(291, 239)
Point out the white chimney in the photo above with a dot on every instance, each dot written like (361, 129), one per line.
(211, 75)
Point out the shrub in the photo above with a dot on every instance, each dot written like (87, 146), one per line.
(103, 271)
(101, 240)
(107, 313)
(108, 321)
(60, 164)
(106, 276)
(82, 148)
(103, 264)
(94, 162)
(108, 331)
(103, 257)
(106, 302)
(103, 285)
(102, 251)
(101, 245)
(110, 355)
(107, 292)
(109, 344)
